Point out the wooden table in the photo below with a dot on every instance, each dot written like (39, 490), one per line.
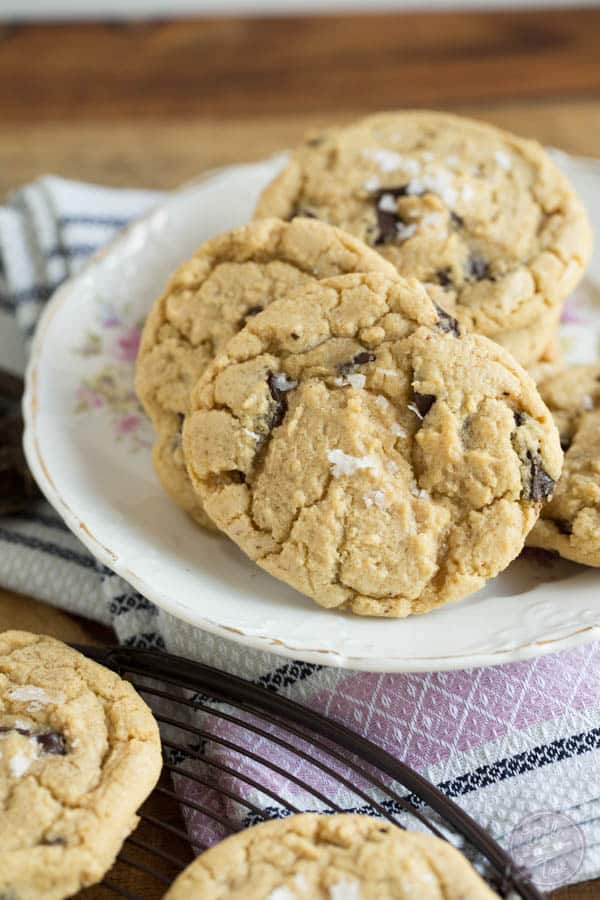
(152, 105)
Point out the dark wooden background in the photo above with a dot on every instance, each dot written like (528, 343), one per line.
(152, 105)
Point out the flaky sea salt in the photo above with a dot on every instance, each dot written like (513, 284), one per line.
(280, 893)
(398, 430)
(252, 434)
(381, 402)
(372, 183)
(416, 491)
(414, 408)
(345, 890)
(387, 203)
(440, 183)
(345, 464)
(36, 696)
(18, 764)
(404, 232)
(375, 497)
(390, 161)
(503, 159)
(356, 380)
(283, 382)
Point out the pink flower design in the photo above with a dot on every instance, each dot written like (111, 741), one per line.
(127, 424)
(89, 399)
(129, 344)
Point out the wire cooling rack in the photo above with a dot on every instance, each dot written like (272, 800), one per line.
(236, 754)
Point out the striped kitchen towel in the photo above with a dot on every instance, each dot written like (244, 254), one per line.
(514, 744)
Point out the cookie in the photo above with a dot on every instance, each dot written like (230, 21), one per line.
(340, 857)
(79, 752)
(359, 446)
(530, 345)
(570, 522)
(483, 215)
(230, 279)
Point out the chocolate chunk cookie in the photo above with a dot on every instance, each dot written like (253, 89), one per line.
(228, 281)
(358, 445)
(485, 217)
(79, 752)
(570, 522)
(342, 857)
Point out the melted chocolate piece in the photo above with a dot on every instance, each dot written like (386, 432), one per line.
(52, 742)
(563, 526)
(444, 277)
(565, 443)
(253, 311)
(519, 418)
(423, 402)
(387, 220)
(237, 476)
(456, 220)
(541, 484)
(278, 393)
(49, 741)
(359, 359)
(53, 842)
(446, 322)
(478, 269)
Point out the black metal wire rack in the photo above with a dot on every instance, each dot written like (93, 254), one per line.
(236, 753)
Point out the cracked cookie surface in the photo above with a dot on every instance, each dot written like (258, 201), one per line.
(485, 217)
(570, 522)
(230, 279)
(340, 857)
(79, 752)
(360, 447)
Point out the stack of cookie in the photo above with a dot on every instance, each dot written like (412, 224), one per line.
(338, 386)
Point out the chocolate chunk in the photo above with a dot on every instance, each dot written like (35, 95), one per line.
(359, 359)
(52, 742)
(279, 385)
(399, 191)
(53, 842)
(387, 219)
(563, 526)
(237, 476)
(541, 485)
(565, 442)
(253, 311)
(478, 269)
(519, 418)
(444, 276)
(446, 322)
(423, 402)
(456, 220)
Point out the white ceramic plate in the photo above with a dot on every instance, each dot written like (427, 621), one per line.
(88, 446)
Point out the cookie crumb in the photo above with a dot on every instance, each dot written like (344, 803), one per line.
(346, 464)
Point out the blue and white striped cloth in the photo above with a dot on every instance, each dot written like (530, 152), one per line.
(518, 746)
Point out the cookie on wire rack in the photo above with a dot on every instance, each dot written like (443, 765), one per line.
(79, 753)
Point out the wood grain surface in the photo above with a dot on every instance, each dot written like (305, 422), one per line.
(152, 105)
